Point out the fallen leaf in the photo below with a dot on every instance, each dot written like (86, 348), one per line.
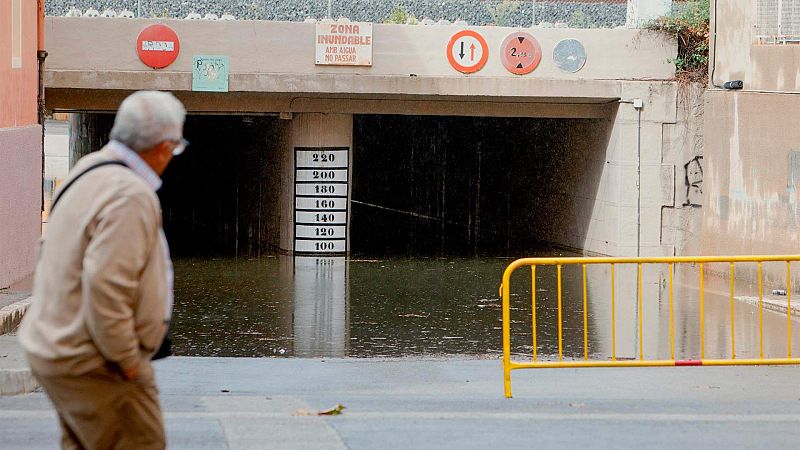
(335, 411)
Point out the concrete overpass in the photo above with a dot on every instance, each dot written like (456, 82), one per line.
(574, 144)
(273, 62)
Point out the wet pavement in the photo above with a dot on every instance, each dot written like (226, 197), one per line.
(247, 403)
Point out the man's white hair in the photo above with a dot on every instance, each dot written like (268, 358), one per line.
(147, 118)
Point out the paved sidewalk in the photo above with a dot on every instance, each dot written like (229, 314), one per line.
(242, 403)
(16, 292)
(15, 376)
(14, 301)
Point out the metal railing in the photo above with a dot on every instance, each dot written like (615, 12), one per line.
(561, 362)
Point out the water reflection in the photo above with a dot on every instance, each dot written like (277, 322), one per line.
(320, 307)
(314, 307)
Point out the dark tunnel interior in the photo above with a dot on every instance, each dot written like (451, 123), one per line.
(469, 186)
(421, 185)
(220, 197)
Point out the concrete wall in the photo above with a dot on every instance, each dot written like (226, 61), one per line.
(682, 149)
(622, 209)
(739, 55)
(20, 201)
(20, 147)
(278, 58)
(752, 174)
(751, 161)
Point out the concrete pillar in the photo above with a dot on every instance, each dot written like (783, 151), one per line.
(641, 12)
(310, 130)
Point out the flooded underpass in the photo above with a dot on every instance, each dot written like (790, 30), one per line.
(439, 207)
(310, 306)
(443, 307)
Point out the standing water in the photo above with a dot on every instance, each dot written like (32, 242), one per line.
(439, 307)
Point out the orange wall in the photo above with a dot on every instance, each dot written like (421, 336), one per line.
(18, 86)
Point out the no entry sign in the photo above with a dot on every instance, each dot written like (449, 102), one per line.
(520, 53)
(158, 46)
(467, 51)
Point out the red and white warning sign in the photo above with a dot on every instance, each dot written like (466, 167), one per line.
(467, 51)
(158, 46)
(344, 44)
(520, 53)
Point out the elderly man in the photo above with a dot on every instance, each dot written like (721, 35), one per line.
(103, 285)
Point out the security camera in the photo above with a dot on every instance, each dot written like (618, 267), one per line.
(733, 85)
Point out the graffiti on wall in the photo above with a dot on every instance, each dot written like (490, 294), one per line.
(693, 177)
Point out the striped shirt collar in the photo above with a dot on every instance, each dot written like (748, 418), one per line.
(136, 163)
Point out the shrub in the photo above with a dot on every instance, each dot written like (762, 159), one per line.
(688, 24)
(398, 15)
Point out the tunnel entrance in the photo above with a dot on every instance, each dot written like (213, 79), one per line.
(420, 185)
(470, 186)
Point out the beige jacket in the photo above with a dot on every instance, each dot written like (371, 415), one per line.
(100, 288)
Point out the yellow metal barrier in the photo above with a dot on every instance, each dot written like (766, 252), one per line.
(509, 365)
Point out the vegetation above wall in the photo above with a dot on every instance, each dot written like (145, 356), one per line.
(688, 24)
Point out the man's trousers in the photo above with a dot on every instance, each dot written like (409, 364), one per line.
(102, 410)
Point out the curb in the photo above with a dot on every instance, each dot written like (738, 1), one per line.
(779, 305)
(11, 315)
(16, 382)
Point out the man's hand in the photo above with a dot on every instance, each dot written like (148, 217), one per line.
(130, 372)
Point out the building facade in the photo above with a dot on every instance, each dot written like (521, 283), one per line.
(20, 141)
(751, 170)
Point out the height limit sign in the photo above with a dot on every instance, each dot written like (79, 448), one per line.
(467, 51)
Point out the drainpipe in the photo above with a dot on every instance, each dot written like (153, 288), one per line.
(41, 54)
(638, 104)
